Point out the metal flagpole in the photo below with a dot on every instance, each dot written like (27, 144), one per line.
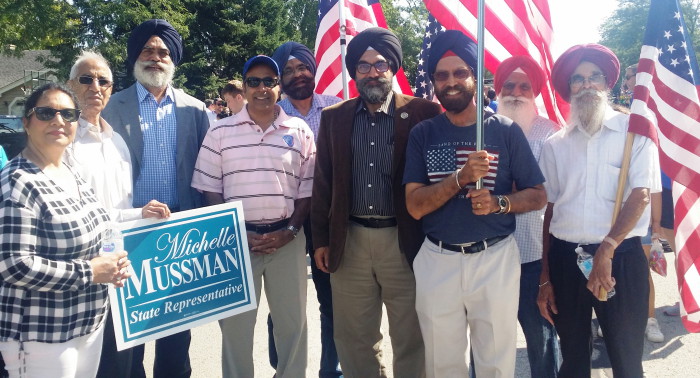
(480, 82)
(343, 47)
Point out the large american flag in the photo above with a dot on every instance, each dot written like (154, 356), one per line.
(359, 15)
(424, 87)
(666, 108)
(512, 27)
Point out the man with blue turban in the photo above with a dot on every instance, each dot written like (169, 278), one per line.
(468, 268)
(163, 128)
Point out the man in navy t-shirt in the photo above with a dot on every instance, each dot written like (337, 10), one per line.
(468, 269)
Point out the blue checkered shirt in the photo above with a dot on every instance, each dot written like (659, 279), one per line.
(313, 118)
(158, 177)
(528, 226)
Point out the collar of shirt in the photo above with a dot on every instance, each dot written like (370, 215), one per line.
(610, 113)
(143, 93)
(86, 128)
(386, 108)
(243, 116)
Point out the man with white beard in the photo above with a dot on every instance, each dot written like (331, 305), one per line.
(164, 129)
(517, 82)
(581, 164)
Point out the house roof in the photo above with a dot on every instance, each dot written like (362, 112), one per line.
(12, 68)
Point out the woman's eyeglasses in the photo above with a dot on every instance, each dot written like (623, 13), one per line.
(44, 113)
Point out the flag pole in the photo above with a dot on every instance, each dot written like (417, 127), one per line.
(480, 82)
(343, 47)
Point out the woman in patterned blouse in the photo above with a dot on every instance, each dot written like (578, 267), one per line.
(53, 282)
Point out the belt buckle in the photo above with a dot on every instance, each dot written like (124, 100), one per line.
(373, 222)
(466, 245)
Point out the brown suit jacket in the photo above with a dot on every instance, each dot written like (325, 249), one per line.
(332, 191)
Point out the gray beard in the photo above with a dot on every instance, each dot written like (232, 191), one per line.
(374, 94)
(520, 109)
(588, 110)
(158, 79)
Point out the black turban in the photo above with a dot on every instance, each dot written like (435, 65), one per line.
(380, 39)
(142, 33)
(297, 50)
(455, 41)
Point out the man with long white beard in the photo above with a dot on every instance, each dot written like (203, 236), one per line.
(581, 164)
(518, 81)
(164, 128)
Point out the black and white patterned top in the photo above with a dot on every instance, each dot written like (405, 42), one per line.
(47, 238)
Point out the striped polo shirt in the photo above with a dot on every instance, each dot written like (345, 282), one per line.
(266, 170)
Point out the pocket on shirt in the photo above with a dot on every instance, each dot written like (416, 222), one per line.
(607, 183)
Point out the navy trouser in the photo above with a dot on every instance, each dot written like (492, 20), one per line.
(172, 357)
(623, 317)
(113, 363)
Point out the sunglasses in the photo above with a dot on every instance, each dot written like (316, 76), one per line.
(88, 80)
(380, 66)
(46, 114)
(460, 74)
(254, 82)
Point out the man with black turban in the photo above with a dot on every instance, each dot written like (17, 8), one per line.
(362, 232)
(581, 164)
(298, 67)
(164, 128)
(467, 270)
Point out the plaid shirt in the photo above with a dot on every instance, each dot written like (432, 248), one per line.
(158, 178)
(47, 238)
(313, 118)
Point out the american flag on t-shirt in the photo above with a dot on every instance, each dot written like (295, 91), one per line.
(359, 15)
(424, 87)
(512, 27)
(442, 162)
(666, 108)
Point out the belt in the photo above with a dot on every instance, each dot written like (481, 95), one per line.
(374, 222)
(466, 248)
(265, 228)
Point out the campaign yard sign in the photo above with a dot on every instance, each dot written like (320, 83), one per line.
(190, 269)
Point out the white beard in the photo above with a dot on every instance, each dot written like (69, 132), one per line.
(520, 109)
(588, 110)
(154, 79)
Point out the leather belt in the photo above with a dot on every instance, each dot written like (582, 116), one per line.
(466, 248)
(374, 222)
(265, 228)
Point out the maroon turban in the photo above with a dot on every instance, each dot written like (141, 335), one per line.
(597, 54)
(525, 63)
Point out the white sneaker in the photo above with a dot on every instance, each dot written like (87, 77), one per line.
(653, 332)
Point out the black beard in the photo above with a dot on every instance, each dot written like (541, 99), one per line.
(455, 105)
(374, 94)
(299, 93)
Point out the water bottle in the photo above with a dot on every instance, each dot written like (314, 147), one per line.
(585, 263)
(113, 240)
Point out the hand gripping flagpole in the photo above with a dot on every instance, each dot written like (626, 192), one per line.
(480, 82)
(343, 47)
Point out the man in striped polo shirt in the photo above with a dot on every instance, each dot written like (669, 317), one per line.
(265, 159)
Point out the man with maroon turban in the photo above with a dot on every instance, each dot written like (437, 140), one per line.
(518, 81)
(581, 164)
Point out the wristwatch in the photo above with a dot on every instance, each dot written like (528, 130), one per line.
(294, 230)
(502, 204)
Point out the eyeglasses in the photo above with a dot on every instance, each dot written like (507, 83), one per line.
(221, 103)
(44, 113)
(290, 71)
(380, 66)
(459, 74)
(578, 80)
(254, 82)
(88, 80)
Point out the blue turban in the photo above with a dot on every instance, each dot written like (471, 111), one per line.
(379, 39)
(297, 50)
(455, 41)
(142, 33)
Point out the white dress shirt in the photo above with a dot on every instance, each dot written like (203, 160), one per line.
(581, 173)
(102, 159)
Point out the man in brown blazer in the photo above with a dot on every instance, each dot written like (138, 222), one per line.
(362, 232)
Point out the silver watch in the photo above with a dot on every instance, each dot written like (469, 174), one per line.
(294, 230)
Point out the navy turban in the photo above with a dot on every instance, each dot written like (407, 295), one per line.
(458, 43)
(297, 50)
(597, 54)
(142, 33)
(380, 39)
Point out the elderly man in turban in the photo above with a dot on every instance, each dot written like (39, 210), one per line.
(518, 81)
(298, 67)
(362, 232)
(581, 164)
(164, 129)
(467, 270)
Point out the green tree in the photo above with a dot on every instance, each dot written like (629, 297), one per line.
(35, 25)
(408, 22)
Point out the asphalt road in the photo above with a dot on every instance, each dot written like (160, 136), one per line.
(678, 356)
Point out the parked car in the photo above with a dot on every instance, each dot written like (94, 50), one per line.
(12, 135)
